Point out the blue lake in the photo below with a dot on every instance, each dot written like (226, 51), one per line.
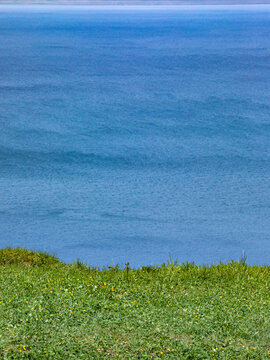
(136, 135)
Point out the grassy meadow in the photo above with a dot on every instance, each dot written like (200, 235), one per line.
(51, 310)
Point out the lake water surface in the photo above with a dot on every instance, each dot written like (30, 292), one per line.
(136, 135)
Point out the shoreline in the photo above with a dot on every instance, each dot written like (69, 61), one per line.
(30, 257)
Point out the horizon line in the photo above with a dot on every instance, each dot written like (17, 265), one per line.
(208, 4)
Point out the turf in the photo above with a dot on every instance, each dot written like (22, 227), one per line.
(51, 310)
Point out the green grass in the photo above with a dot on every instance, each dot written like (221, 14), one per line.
(50, 310)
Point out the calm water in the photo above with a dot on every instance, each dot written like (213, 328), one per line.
(136, 135)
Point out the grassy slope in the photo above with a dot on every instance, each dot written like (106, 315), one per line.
(49, 310)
